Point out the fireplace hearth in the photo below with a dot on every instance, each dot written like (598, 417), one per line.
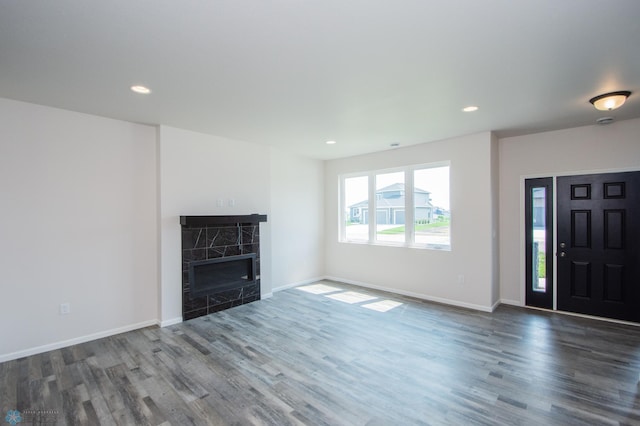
(220, 262)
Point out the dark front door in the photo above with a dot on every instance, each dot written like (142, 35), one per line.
(598, 246)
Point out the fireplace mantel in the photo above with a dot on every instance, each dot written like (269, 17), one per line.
(200, 221)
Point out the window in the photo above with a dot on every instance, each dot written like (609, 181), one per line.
(356, 213)
(390, 207)
(431, 204)
(411, 207)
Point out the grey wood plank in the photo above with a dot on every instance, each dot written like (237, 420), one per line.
(90, 412)
(306, 359)
(72, 407)
(23, 397)
(94, 402)
(8, 386)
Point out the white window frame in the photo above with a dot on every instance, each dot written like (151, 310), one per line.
(409, 209)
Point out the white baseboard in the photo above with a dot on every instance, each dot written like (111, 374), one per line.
(511, 302)
(266, 296)
(495, 305)
(305, 282)
(172, 321)
(417, 295)
(75, 341)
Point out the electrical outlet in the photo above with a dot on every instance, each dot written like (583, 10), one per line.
(460, 279)
(220, 202)
(65, 308)
(232, 202)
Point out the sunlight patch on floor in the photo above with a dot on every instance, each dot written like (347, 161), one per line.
(318, 288)
(351, 297)
(382, 306)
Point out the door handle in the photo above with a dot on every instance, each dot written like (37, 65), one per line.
(562, 254)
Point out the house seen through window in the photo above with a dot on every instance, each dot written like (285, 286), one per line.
(411, 207)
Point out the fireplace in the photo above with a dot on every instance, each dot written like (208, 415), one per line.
(220, 262)
(220, 274)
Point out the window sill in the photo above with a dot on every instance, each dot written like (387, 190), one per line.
(435, 247)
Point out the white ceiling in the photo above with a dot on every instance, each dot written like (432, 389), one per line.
(295, 73)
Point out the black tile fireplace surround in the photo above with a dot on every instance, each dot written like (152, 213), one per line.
(215, 237)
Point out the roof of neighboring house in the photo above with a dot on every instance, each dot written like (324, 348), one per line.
(399, 187)
(392, 202)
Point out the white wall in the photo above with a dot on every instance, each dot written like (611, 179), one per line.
(570, 151)
(297, 219)
(195, 171)
(429, 274)
(96, 203)
(495, 217)
(77, 203)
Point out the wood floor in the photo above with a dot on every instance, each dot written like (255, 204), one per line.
(331, 359)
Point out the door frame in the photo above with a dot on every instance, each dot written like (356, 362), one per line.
(523, 232)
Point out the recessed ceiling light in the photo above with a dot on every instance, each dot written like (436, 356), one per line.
(141, 89)
(470, 108)
(331, 142)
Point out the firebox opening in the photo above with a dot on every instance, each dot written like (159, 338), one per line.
(220, 274)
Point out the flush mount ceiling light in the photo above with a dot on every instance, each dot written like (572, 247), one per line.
(610, 101)
(330, 142)
(141, 89)
(470, 108)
